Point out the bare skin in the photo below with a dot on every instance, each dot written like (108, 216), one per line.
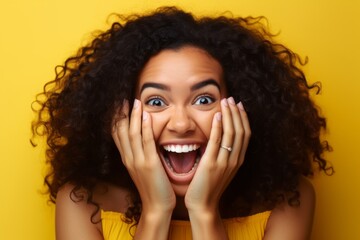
(184, 106)
(181, 101)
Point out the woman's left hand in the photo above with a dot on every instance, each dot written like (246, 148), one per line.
(223, 157)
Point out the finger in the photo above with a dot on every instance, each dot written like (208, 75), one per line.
(120, 132)
(135, 131)
(247, 129)
(117, 121)
(213, 145)
(238, 131)
(148, 139)
(228, 131)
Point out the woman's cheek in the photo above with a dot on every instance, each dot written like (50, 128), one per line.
(205, 123)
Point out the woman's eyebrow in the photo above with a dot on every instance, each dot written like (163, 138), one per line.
(154, 85)
(193, 88)
(205, 83)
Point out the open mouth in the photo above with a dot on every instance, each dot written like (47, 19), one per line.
(181, 159)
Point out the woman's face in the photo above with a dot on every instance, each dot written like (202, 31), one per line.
(181, 89)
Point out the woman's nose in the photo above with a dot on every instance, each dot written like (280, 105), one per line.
(181, 122)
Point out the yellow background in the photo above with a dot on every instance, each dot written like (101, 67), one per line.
(37, 35)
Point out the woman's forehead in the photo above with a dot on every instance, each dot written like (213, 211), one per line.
(181, 66)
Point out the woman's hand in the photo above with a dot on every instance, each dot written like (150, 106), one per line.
(217, 167)
(136, 144)
(135, 141)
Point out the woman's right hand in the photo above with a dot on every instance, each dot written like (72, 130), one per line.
(135, 141)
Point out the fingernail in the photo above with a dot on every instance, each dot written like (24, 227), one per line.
(231, 100)
(241, 106)
(145, 115)
(218, 116)
(136, 103)
(224, 102)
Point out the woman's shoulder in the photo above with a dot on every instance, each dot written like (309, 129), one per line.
(74, 217)
(293, 222)
(106, 196)
(75, 214)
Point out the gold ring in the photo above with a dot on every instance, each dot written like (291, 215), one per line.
(227, 148)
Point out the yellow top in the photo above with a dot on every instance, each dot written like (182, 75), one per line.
(244, 228)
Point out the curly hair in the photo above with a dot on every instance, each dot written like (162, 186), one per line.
(75, 111)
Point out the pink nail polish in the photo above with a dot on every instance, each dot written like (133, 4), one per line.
(241, 106)
(218, 116)
(136, 103)
(145, 116)
(231, 100)
(224, 102)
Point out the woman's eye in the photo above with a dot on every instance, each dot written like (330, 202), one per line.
(155, 102)
(204, 100)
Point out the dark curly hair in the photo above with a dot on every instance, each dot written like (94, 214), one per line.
(76, 110)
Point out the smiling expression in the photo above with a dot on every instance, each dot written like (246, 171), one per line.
(181, 89)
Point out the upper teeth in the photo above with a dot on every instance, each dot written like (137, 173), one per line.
(181, 148)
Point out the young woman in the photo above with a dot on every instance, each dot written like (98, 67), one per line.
(148, 133)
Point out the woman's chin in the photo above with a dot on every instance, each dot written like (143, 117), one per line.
(180, 190)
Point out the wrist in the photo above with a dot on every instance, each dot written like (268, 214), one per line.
(153, 225)
(207, 225)
(154, 212)
(206, 216)
(166, 205)
(207, 210)
(155, 218)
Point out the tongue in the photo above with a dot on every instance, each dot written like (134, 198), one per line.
(182, 162)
